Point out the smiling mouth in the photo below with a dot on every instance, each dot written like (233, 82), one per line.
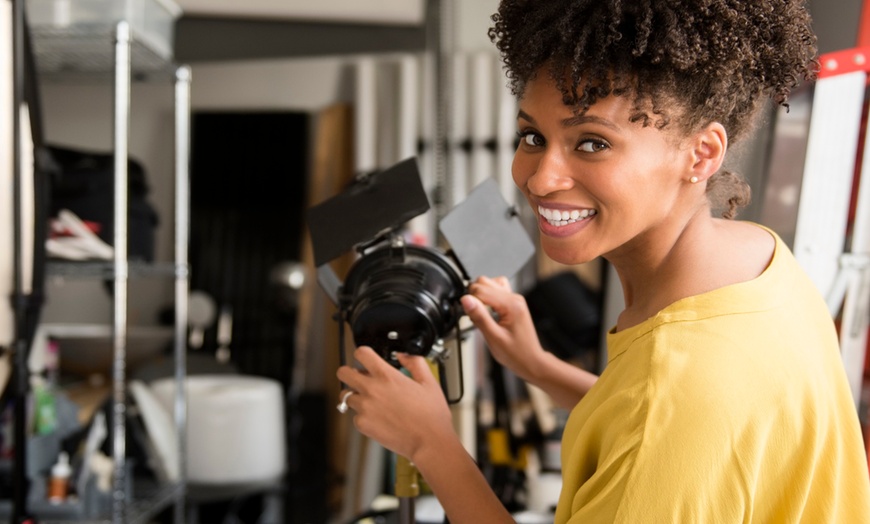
(558, 217)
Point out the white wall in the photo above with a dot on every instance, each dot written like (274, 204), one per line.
(299, 84)
(472, 19)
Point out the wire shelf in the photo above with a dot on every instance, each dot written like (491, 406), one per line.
(106, 270)
(82, 53)
(150, 500)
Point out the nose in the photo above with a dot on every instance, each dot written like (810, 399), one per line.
(543, 173)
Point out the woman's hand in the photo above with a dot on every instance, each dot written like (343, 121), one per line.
(513, 341)
(405, 414)
(409, 416)
(511, 337)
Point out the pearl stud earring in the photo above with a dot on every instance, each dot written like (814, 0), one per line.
(694, 180)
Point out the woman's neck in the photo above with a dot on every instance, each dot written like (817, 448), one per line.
(705, 255)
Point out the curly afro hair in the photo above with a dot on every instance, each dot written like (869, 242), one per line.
(690, 61)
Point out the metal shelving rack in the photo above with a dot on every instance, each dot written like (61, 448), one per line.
(86, 53)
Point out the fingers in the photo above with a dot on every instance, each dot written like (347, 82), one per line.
(499, 282)
(377, 369)
(497, 295)
(494, 292)
(503, 282)
(478, 313)
(370, 360)
(355, 378)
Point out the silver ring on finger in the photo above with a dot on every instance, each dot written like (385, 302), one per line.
(342, 406)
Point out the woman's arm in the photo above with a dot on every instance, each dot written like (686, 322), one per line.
(409, 416)
(459, 485)
(514, 343)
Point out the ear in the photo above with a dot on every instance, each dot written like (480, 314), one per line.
(708, 151)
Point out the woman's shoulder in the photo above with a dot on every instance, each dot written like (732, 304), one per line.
(748, 247)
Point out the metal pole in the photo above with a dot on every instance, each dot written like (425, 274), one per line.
(119, 325)
(441, 45)
(407, 488)
(182, 285)
(19, 357)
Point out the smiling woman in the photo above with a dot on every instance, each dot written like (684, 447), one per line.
(724, 397)
(625, 176)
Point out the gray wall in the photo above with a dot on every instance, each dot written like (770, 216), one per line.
(836, 22)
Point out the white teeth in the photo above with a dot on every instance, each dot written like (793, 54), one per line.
(563, 218)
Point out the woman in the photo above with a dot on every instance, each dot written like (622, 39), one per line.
(724, 398)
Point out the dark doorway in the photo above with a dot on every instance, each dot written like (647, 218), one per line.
(248, 189)
(248, 174)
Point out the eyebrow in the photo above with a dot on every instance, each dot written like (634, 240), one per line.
(575, 120)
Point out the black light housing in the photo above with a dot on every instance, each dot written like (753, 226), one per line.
(402, 298)
(399, 297)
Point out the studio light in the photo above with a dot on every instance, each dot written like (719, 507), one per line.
(399, 297)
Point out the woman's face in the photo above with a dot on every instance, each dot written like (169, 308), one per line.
(599, 184)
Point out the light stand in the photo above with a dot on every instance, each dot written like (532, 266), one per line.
(407, 485)
(407, 488)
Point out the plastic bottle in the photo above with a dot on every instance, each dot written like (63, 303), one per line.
(45, 407)
(58, 483)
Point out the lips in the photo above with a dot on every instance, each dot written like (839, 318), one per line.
(564, 217)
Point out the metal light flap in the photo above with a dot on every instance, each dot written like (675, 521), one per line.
(486, 234)
(372, 205)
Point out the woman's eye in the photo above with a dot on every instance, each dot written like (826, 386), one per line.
(590, 145)
(531, 139)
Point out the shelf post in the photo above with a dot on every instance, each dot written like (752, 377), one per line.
(182, 286)
(119, 324)
(20, 377)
